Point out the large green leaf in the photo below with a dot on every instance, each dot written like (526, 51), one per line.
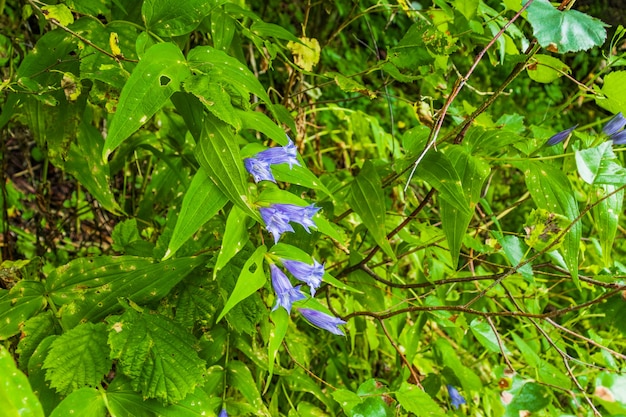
(240, 377)
(173, 17)
(613, 97)
(16, 396)
(34, 331)
(598, 165)
(235, 237)
(218, 153)
(85, 164)
(606, 214)
(545, 371)
(89, 288)
(156, 354)
(18, 304)
(78, 358)
(202, 201)
(251, 278)
(565, 31)
(472, 172)
(157, 76)
(88, 402)
(368, 201)
(437, 170)
(224, 68)
(413, 399)
(551, 191)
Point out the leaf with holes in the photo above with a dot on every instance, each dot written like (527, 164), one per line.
(565, 31)
(156, 353)
(78, 358)
(157, 76)
(248, 282)
(89, 288)
(18, 304)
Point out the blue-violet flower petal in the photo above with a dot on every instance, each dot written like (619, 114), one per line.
(561, 136)
(456, 399)
(614, 125)
(310, 274)
(259, 169)
(323, 320)
(276, 221)
(280, 155)
(223, 413)
(299, 214)
(619, 138)
(286, 294)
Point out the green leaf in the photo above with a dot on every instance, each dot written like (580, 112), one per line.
(90, 287)
(280, 321)
(597, 165)
(218, 153)
(34, 331)
(448, 356)
(157, 76)
(414, 400)
(565, 31)
(546, 68)
(606, 214)
(48, 397)
(170, 18)
(60, 13)
(515, 252)
(350, 85)
(259, 122)
(88, 402)
(368, 201)
(239, 377)
(78, 358)
(551, 191)
(85, 164)
(437, 170)
(18, 304)
(466, 7)
(215, 98)
(613, 92)
(203, 199)
(411, 51)
(531, 397)
(265, 30)
(16, 396)
(346, 399)
(248, 282)
(222, 28)
(472, 172)
(546, 372)
(235, 237)
(485, 335)
(156, 354)
(224, 68)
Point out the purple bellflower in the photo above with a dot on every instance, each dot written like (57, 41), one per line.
(223, 413)
(561, 136)
(614, 125)
(619, 138)
(280, 155)
(259, 169)
(278, 216)
(260, 165)
(309, 274)
(286, 294)
(323, 320)
(456, 399)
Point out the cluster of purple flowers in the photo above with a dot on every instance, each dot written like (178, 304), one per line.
(614, 129)
(278, 218)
